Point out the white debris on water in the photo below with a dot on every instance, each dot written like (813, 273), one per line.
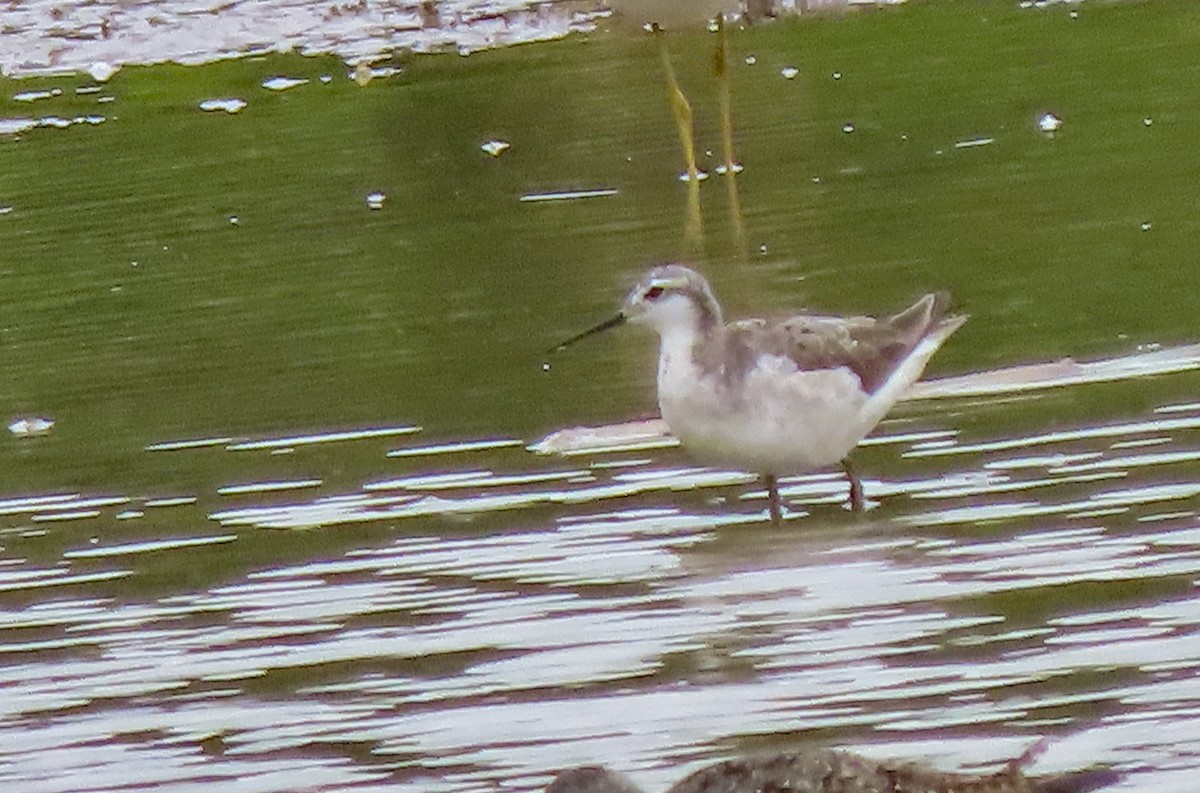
(496, 147)
(33, 96)
(1049, 123)
(364, 73)
(30, 426)
(567, 195)
(230, 105)
(15, 126)
(282, 83)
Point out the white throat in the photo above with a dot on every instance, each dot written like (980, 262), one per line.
(677, 371)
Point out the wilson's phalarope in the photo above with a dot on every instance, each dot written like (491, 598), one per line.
(780, 396)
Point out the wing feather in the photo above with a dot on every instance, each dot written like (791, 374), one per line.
(871, 348)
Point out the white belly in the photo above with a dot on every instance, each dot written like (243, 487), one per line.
(775, 420)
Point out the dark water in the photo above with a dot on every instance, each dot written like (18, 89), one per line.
(285, 533)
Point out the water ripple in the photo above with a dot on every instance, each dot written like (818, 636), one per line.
(469, 657)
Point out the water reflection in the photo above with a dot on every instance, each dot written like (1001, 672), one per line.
(442, 660)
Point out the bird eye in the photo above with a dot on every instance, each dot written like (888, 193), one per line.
(654, 293)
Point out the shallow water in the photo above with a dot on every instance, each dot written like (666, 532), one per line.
(41, 37)
(285, 532)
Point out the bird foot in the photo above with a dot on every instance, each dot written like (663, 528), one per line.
(858, 502)
(773, 502)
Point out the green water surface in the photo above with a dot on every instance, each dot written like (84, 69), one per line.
(134, 311)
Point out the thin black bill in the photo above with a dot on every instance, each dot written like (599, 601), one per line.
(611, 322)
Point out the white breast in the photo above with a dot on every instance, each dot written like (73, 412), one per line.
(776, 419)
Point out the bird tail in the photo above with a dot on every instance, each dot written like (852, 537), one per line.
(925, 320)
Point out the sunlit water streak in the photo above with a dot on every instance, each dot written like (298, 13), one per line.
(451, 662)
(99, 40)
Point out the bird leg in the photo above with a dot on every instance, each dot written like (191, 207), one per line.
(857, 502)
(773, 498)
